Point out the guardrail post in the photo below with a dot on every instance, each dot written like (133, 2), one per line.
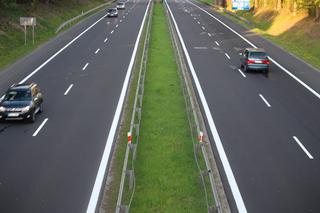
(129, 173)
(138, 110)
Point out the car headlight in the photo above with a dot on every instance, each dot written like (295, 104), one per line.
(2, 109)
(25, 109)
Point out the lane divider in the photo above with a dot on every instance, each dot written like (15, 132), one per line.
(224, 159)
(40, 127)
(227, 56)
(85, 66)
(265, 100)
(217, 43)
(242, 73)
(97, 51)
(303, 147)
(105, 40)
(67, 91)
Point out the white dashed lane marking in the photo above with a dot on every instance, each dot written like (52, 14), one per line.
(40, 127)
(85, 66)
(67, 91)
(303, 147)
(265, 100)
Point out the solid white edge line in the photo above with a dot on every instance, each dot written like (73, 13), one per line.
(106, 153)
(105, 40)
(225, 162)
(227, 56)
(264, 100)
(67, 91)
(242, 73)
(217, 43)
(303, 147)
(57, 53)
(85, 66)
(271, 59)
(97, 51)
(40, 127)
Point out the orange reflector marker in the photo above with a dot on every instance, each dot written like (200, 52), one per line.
(129, 137)
(201, 137)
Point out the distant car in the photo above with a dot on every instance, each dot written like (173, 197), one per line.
(112, 12)
(255, 59)
(121, 5)
(21, 102)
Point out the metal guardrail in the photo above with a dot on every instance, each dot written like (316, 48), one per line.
(134, 125)
(198, 130)
(81, 15)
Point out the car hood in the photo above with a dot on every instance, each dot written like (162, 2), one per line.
(15, 104)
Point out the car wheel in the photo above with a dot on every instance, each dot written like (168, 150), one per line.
(32, 118)
(40, 109)
(245, 68)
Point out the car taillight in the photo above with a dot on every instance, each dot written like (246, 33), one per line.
(250, 61)
(266, 62)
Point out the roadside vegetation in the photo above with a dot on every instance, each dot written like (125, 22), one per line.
(49, 14)
(167, 179)
(293, 25)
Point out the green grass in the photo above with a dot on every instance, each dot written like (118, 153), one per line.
(48, 19)
(166, 173)
(207, 1)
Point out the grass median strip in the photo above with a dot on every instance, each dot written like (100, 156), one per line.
(167, 179)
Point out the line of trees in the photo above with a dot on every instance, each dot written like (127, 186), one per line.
(313, 6)
(7, 3)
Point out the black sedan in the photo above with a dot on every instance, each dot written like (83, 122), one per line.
(21, 102)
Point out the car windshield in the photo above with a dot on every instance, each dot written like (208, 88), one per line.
(18, 95)
(120, 3)
(111, 10)
(260, 55)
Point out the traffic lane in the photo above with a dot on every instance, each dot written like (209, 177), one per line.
(72, 61)
(25, 65)
(214, 100)
(295, 65)
(107, 72)
(277, 85)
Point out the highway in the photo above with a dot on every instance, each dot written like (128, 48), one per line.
(52, 165)
(264, 129)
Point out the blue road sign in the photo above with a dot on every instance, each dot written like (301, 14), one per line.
(240, 4)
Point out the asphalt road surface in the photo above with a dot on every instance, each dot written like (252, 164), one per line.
(265, 129)
(52, 164)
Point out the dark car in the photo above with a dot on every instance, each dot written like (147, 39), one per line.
(112, 12)
(255, 59)
(21, 102)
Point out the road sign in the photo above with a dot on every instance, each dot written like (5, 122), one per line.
(240, 4)
(28, 21)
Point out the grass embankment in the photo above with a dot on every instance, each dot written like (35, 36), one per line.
(166, 173)
(298, 34)
(48, 19)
